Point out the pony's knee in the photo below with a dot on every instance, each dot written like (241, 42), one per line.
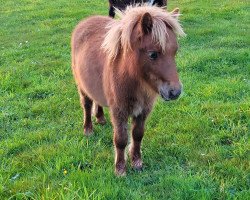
(138, 127)
(120, 140)
(137, 133)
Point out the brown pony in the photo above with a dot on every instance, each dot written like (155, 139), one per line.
(124, 64)
(121, 4)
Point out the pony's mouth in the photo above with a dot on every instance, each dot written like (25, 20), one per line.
(164, 97)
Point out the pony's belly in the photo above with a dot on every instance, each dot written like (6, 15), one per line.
(100, 101)
(92, 87)
(94, 92)
(89, 69)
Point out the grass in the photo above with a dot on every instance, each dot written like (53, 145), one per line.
(194, 148)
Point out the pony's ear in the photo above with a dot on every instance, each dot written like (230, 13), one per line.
(175, 13)
(146, 23)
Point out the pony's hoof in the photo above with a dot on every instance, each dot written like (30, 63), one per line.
(120, 169)
(137, 165)
(101, 120)
(88, 131)
(120, 173)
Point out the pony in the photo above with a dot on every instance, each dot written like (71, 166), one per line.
(121, 4)
(125, 64)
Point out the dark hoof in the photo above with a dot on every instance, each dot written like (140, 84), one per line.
(88, 131)
(120, 170)
(137, 165)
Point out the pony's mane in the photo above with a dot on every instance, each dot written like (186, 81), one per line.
(120, 31)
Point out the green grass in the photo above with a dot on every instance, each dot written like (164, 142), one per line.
(194, 148)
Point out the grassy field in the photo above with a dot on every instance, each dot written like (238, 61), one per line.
(195, 148)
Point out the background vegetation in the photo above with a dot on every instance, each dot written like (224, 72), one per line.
(194, 148)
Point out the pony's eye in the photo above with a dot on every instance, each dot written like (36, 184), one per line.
(153, 55)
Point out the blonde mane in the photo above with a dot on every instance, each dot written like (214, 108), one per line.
(120, 31)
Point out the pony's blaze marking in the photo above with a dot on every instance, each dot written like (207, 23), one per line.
(112, 67)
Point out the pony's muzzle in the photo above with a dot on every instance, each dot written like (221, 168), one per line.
(170, 93)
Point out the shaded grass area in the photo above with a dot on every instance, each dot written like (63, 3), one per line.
(194, 148)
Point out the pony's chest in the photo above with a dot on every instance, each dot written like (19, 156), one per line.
(137, 108)
(140, 105)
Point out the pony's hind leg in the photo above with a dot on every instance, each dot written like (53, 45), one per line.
(86, 103)
(100, 115)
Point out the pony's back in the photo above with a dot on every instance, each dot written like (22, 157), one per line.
(89, 29)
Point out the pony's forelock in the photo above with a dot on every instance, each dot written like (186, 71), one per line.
(120, 31)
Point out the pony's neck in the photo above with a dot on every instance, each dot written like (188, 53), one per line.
(125, 68)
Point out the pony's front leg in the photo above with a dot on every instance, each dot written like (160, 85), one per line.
(137, 135)
(120, 121)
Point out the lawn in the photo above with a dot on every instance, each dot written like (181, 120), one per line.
(197, 147)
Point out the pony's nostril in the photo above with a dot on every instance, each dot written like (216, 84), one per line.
(171, 94)
(174, 94)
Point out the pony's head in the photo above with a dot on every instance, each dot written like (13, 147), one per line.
(145, 38)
